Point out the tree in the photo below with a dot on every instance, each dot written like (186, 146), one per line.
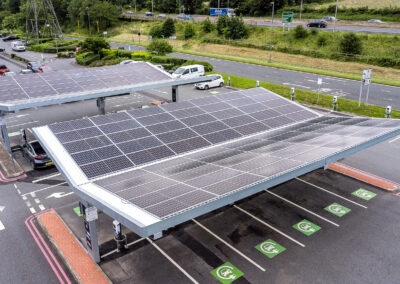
(104, 13)
(222, 23)
(95, 44)
(168, 27)
(10, 22)
(189, 31)
(159, 46)
(207, 26)
(156, 31)
(350, 44)
(236, 29)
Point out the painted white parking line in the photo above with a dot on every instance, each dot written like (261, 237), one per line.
(298, 206)
(395, 139)
(332, 193)
(271, 227)
(37, 200)
(229, 245)
(35, 191)
(46, 177)
(2, 226)
(172, 261)
(116, 250)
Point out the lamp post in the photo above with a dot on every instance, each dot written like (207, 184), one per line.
(87, 9)
(301, 8)
(272, 26)
(152, 6)
(334, 26)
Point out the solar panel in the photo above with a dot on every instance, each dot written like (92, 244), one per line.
(146, 135)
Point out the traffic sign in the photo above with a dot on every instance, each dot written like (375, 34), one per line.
(226, 273)
(287, 17)
(306, 227)
(364, 194)
(337, 209)
(270, 248)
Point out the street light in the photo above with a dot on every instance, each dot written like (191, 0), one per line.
(152, 6)
(272, 25)
(301, 8)
(334, 26)
(87, 9)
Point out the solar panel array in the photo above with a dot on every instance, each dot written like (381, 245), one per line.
(173, 186)
(32, 86)
(106, 144)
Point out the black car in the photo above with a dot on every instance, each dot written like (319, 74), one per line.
(34, 66)
(10, 38)
(2, 49)
(317, 24)
(35, 154)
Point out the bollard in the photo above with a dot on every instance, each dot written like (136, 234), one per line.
(335, 100)
(257, 84)
(229, 81)
(292, 96)
(388, 111)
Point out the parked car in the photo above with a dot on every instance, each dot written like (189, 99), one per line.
(45, 69)
(128, 61)
(189, 71)
(35, 154)
(18, 46)
(317, 24)
(26, 71)
(161, 16)
(181, 16)
(3, 69)
(10, 38)
(9, 74)
(2, 49)
(149, 14)
(375, 21)
(188, 17)
(34, 66)
(1, 35)
(219, 82)
(329, 19)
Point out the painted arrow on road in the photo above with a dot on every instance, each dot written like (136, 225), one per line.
(59, 195)
(1, 224)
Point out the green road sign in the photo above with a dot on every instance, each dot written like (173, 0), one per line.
(306, 227)
(270, 248)
(226, 273)
(287, 17)
(364, 194)
(337, 209)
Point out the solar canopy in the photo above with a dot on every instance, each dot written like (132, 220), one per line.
(40, 89)
(157, 167)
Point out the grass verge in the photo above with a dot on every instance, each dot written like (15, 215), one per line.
(310, 98)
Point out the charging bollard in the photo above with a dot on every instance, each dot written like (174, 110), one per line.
(229, 81)
(119, 238)
(388, 111)
(335, 100)
(292, 96)
(257, 84)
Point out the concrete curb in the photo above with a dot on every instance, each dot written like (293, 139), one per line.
(366, 177)
(16, 62)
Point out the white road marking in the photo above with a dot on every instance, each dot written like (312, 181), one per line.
(46, 177)
(172, 261)
(37, 200)
(28, 203)
(271, 227)
(15, 185)
(230, 246)
(41, 207)
(298, 206)
(59, 194)
(295, 85)
(30, 130)
(2, 226)
(45, 188)
(19, 191)
(334, 194)
(33, 194)
(395, 139)
(33, 211)
(24, 197)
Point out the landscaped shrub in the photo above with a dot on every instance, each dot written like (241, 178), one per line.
(66, 54)
(300, 32)
(350, 44)
(142, 55)
(95, 44)
(168, 27)
(321, 41)
(156, 31)
(222, 23)
(159, 46)
(86, 58)
(207, 26)
(236, 29)
(189, 31)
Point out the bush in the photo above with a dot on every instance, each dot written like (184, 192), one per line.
(314, 31)
(66, 54)
(159, 46)
(156, 31)
(236, 29)
(300, 32)
(168, 27)
(321, 41)
(141, 55)
(86, 58)
(207, 26)
(222, 23)
(207, 66)
(95, 44)
(350, 44)
(189, 31)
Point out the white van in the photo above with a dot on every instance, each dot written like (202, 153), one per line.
(189, 71)
(18, 46)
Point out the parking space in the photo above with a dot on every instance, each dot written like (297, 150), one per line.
(271, 235)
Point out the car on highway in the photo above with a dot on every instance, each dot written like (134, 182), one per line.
(219, 82)
(35, 154)
(3, 69)
(161, 16)
(18, 46)
(10, 38)
(317, 24)
(188, 17)
(181, 16)
(329, 19)
(375, 21)
(149, 14)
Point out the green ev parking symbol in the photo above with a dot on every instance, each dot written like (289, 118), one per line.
(306, 227)
(226, 273)
(364, 194)
(270, 248)
(337, 209)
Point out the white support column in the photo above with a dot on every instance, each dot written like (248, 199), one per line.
(174, 94)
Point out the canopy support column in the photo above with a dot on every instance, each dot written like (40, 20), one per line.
(101, 105)
(89, 220)
(174, 94)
